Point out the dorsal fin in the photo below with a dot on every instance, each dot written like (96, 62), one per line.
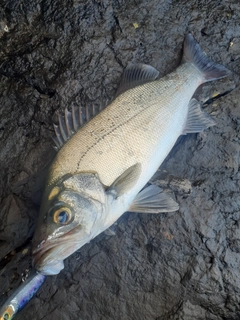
(71, 122)
(135, 75)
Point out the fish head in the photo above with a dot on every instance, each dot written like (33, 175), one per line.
(70, 209)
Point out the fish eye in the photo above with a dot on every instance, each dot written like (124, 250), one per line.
(62, 215)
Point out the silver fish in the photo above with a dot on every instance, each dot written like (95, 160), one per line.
(103, 164)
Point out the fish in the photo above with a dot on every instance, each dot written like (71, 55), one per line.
(104, 162)
(22, 295)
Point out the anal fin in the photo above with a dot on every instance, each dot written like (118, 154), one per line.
(152, 199)
(197, 119)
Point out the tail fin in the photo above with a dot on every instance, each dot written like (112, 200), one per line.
(194, 54)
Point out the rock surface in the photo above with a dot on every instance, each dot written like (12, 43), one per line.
(183, 265)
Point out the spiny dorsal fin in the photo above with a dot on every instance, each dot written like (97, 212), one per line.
(135, 75)
(72, 121)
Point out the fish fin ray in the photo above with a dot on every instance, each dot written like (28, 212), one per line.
(69, 122)
(109, 232)
(62, 127)
(72, 121)
(197, 119)
(56, 145)
(194, 54)
(135, 75)
(126, 180)
(152, 199)
(59, 140)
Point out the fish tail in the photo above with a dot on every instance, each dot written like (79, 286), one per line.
(194, 54)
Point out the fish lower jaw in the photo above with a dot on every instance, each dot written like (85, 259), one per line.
(44, 265)
(48, 259)
(51, 269)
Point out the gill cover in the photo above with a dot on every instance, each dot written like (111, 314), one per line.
(73, 201)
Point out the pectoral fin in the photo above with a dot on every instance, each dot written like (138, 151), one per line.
(126, 180)
(152, 199)
(197, 119)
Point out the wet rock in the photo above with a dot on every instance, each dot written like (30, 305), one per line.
(57, 54)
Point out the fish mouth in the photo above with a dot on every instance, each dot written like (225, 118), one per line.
(49, 255)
